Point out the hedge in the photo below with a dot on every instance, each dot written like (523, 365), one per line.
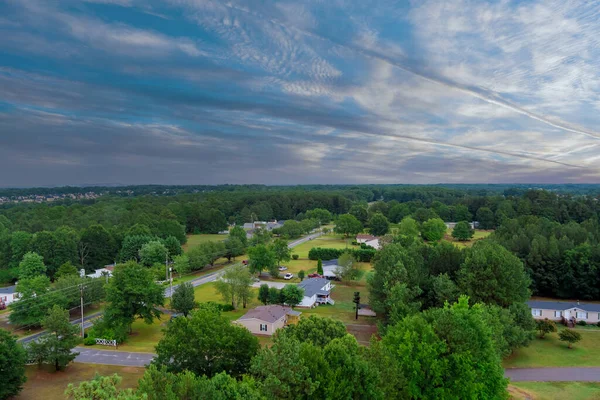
(361, 255)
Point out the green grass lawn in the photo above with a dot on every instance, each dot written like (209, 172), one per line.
(554, 390)
(551, 352)
(195, 240)
(43, 384)
(479, 234)
(330, 241)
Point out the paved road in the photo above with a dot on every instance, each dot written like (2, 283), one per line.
(591, 374)
(87, 322)
(112, 357)
(304, 239)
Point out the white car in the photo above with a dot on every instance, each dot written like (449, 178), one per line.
(282, 268)
(288, 276)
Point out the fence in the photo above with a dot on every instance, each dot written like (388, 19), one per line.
(106, 342)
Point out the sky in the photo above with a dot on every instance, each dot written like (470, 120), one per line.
(299, 92)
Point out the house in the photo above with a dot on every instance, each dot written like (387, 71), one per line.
(265, 320)
(473, 224)
(369, 240)
(566, 311)
(107, 270)
(329, 269)
(316, 291)
(8, 295)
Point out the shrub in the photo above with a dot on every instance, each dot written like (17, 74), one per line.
(89, 341)
(598, 324)
(354, 243)
(226, 307)
(582, 323)
(361, 255)
(295, 256)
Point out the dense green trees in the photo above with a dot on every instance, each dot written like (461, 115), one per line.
(12, 365)
(462, 231)
(280, 249)
(183, 299)
(433, 229)
(261, 258)
(34, 302)
(348, 224)
(31, 266)
(234, 285)
(206, 343)
(379, 224)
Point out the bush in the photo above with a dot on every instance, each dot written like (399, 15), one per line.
(227, 307)
(219, 306)
(598, 324)
(582, 323)
(354, 243)
(102, 330)
(295, 256)
(89, 341)
(361, 255)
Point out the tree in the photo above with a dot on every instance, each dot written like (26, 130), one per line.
(359, 211)
(234, 285)
(173, 246)
(153, 253)
(347, 268)
(319, 267)
(292, 295)
(570, 336)
(486, 218)
(34, 302)
(275, 296)
(545, 326)
(462, 231)
(260, 257)
(181, 264)
(408, 227)
(506, 281)
(65, 270)
(56, 347)
(433, 229)
(183, 299)
(281, 251)
(320, 214)
(98, 245)
(12, 365)
(20, 243)
(101, 388)
(205, 254)
(461, 213)
(206, 344)
(239, 233)
(43, 244)
(444, 258)
(132, 293)
(263, 293)
(379, 224)
(301, 275)
(348, 225)
(260, 236)
(130, 249)
(315, 330)
(31, 266)
(233, 248)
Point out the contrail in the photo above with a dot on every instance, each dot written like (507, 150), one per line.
(491, 98)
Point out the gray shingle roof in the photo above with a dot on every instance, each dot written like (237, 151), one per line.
(313, 286)
(270, 313)
(563, 305)
(8, 290)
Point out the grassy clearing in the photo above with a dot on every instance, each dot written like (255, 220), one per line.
(554, 390)
(195, 240)
(479, 234)
(42, 384)
(551, 352)
(330, 241)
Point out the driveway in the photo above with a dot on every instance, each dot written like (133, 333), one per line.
(277, 285)
(591, 374)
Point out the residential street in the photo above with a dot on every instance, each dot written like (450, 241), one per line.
(112, 357)
(590, 374)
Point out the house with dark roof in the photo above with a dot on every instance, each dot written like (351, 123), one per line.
(8, 295)
(568, 311)
(265, 320)
(316, 291)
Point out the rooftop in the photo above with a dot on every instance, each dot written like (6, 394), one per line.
(563, 305)
(8, 289)
(270, 313)
(313, 286)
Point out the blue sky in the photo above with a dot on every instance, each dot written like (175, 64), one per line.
(274, 92)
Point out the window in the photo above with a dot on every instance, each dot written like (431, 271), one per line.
(581, 315)
(263, 327)
(557, 314)
(536, 313)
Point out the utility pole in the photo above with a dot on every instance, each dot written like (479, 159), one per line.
(356, 301)
(171, 283)
(167, 265)
(82, 274)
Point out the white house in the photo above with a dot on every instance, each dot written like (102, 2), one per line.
(316, 291)
(8, 295)
(369, 240)
(107, 270)
(571, 312)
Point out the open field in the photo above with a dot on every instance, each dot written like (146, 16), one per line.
(195, 240)
(551, 352)
(331, 241)
(554, 390)
(42, 384)
(479, 234)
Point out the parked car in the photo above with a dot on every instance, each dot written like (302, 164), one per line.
(282, 268)
(255, 279)
(244, 262)
(315, 275)
(288, 276)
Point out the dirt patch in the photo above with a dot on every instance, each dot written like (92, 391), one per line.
(362, 333)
